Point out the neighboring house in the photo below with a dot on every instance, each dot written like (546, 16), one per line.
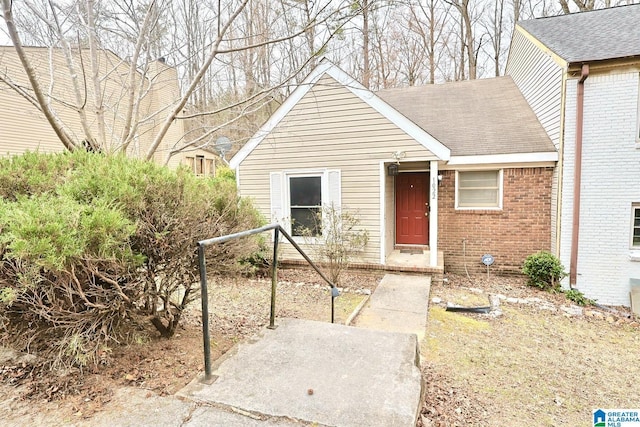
(24, 128)
(580, 74)
(463, 168)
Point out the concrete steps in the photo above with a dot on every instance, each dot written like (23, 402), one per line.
(307, 372)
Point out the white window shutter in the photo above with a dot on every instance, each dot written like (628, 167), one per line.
(334, 187)
(276, 197)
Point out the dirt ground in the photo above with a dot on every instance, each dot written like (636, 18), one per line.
(534, 365)
(529, 366)
(238, 308)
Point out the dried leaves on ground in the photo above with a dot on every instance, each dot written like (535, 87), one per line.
(540, 362)
(534, 364)
(238, 307)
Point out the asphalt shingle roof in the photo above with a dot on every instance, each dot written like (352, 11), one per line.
(590, 36)
(476, 117)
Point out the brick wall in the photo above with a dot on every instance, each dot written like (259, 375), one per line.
(522, 227)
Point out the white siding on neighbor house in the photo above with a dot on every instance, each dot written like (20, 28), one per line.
(331, 129)
(539, 78)
(555, 182)
(610, 177)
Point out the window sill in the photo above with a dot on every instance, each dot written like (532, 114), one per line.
(307, 240)
(634, 255)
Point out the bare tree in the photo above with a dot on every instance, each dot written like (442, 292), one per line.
(467, 36)
(583, 5)
(248, 40)
(428, 21)
(366, 65)
(494, 29)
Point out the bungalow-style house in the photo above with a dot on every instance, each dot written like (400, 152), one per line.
(581, 73)
(463, 169)
(24, 128)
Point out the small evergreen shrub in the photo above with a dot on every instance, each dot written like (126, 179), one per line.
(92, 246)
(544, 270)
(578, 297)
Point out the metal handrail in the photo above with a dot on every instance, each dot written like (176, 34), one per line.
(277, 229)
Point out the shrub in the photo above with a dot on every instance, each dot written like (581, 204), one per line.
(67, 276)
(225, 173)
(578, 297)
(91, 246)
(342, 238)
(544, 270)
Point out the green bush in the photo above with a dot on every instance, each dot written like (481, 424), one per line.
(92, 246)
(544, 270)
(578, 297)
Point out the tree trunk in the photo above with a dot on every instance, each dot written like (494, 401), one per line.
(366, 70)
(55, 124)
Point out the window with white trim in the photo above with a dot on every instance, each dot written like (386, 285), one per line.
(479, 189)
(638, 116)
(305, 205)
(635, 226)
(298, 197)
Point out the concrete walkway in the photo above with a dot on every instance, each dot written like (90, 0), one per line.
(306, 373)
(399, 304)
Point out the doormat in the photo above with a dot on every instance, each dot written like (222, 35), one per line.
(411, 251)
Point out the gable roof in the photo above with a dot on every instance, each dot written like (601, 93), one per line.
(368, 97)
(590, 36)
(474, 117)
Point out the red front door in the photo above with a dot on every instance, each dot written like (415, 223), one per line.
(412, 206)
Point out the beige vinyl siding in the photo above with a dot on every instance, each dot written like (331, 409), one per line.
(23, 127)
(162, 99)
(539, 78)
(331, 128)
(51, 63)
(21, 122)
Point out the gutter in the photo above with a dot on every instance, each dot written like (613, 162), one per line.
(577, 180)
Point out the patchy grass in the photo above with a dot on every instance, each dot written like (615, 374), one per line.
(238, 308)
(529, 366)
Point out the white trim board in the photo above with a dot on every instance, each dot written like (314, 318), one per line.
(382, 218)
(497, 159)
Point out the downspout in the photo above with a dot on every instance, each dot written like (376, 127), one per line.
(577, 180)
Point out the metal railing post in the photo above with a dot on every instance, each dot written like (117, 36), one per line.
(277, 231)
(274, 278)
(205, 314)
(334, 294)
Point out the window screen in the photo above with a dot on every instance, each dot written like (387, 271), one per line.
(306, 205)
(479, 189)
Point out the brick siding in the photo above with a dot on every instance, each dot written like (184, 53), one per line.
(610, 177)
(520, 228)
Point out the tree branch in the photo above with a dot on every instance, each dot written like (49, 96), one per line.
(31, 75)
(198, 77)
